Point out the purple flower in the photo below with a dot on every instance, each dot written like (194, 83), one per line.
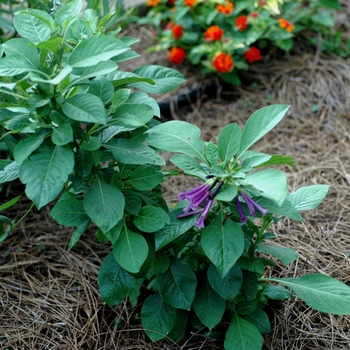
(200, 222)
(198, 196)
(242, 216)
(251, 204)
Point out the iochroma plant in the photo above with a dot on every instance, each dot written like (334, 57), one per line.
(84, 134)
(224, 37)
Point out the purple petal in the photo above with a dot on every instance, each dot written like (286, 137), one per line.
(200, 222)
(249, 204)
(255, 204)
(242, 216)
(184, 195)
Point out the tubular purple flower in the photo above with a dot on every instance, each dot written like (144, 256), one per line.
(251, 203)
(194, 191)
(200, 222)
(242, 216)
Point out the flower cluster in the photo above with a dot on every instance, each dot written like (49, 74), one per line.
(201, 195)
(226, 36)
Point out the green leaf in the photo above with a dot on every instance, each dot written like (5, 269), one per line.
(166, 79)
(208, 305)
(77, 233)
(132, 115)
(157, 317)
(92, 143)
(227, 193)
(102, 88)
(260, 320)
(129, 151)
(189, 165)
(113, 281)
(34, 25)
(276, 292)
(242, 335)
(308, 197)
(223, 244)
(97, 70)
(174, 229)
(69, 212)
(130, 250)
(133, 202)
(271, 183)
(22, 48)
(95, 49)
(322, 293)
(85, 108)
(83, 162)
(177, 136)
(151, 219)
(324, 18)
(162, 261)
(143, 98)
(179, 328)
(211, 153)
(10, 203)
(259, 124)
(10, 173)
(45, 172)
(104, 204)
(333, 4)
(62, 134)
(229, 286)
(229, 141)
(178, 285)
(145, 177)
(26, 147)
(15, 65)
(68, 12)
(286, 255)
(286, 209)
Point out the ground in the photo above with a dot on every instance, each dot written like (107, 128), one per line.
(49, 296)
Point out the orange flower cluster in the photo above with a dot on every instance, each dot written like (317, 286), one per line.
(153, 3)
(190, 3)
(177, 31)
(284, 23)
(253, 54)
(226, 9)
(213, 33)
(241, 22)
(177, 55)
(223, 63)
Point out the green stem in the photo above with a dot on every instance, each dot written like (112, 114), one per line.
(13, 94)
(23, 217)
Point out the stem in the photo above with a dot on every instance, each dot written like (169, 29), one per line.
(13, 94)
(24, 216)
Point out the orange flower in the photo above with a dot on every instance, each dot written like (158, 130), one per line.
(177, 31)
(213, 33)
(226, 9)
(253, 54)
(241, 22)
(223, 63)
(190, 3)
(177, 55)
(153, 3)
(284, 23)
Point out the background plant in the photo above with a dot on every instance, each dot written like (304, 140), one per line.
(80, 130)
(225, 37)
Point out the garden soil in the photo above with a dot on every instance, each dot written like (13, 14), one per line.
(49, 296)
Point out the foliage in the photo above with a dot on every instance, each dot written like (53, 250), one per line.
(225, 36)
(80, 132)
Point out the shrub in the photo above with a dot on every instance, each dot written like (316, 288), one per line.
(225, 36)
(81, 132)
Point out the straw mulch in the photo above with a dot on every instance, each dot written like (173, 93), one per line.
(49, 296)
